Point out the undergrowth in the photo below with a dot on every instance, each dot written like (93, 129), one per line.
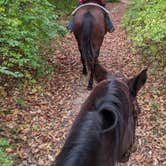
(145, 22)
(24, 26)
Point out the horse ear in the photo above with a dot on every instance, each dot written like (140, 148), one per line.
(109, 119)
(137, 82)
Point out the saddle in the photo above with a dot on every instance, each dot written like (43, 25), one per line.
(90, 4)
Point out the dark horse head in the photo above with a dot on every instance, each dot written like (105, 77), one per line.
(89, 29)
(104, 131)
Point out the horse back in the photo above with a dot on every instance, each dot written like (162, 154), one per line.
(98, 22)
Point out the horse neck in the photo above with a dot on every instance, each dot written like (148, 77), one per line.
(100, 72)
(82, 145)
(109, 152)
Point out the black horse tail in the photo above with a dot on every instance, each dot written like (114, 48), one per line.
(86, 45)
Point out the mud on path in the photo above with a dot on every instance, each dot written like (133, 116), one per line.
(37, 128)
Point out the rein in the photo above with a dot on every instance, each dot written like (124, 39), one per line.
(90, 4)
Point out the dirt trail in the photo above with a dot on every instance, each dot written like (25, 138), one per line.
(47, 116)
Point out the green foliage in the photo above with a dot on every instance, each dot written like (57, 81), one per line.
(4, 159)
(64, 7)
(145, 20)
(24, 24)
(4, 143)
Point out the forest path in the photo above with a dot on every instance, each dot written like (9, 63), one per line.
(43, 120)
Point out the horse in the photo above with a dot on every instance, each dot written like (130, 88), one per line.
(103, 133)
(89, 28)
(101, 74)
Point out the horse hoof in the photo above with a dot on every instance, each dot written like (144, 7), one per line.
(112, 30)
(89, 87)
(84, 72)
(134, 148)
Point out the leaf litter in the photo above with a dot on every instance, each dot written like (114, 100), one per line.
(37, 124)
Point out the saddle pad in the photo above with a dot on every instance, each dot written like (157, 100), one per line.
(90, 4)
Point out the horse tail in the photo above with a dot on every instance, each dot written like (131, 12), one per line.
(86, 41)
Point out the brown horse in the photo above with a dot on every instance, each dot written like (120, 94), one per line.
(104, 131)
(101, 74)
(89, 29)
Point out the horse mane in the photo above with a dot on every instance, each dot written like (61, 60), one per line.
(83, 140)
(115, 100)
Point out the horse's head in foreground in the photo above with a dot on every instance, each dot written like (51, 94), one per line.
(104, 131)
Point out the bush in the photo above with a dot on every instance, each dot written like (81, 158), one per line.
(145, 20)
(4, 159)
(23, 25)
(64, 7)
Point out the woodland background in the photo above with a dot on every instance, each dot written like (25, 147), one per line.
(28, 27)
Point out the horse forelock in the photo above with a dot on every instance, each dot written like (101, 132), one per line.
(111, 91)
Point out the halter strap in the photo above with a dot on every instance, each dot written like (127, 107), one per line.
(90, 4)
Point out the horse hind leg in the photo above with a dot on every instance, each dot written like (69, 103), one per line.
(92, 66)
(90, 83)
(84, 70)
